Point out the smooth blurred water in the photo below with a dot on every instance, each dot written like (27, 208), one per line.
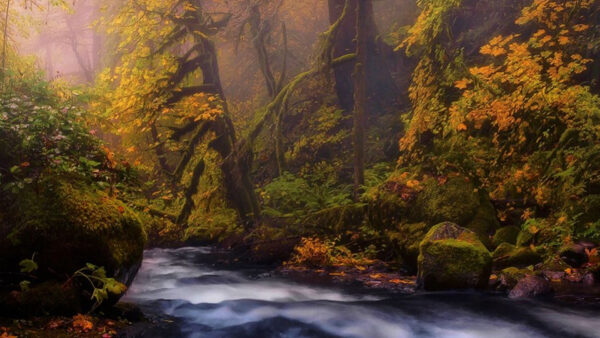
(208, 302)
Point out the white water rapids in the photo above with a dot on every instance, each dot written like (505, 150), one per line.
(208, 302)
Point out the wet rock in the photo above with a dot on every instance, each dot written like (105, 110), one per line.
(531, 286)
(509, 278)
(554, 275)
(575, 277)
(452, 257)
(574, 255)
(589, 279)
(507, 255)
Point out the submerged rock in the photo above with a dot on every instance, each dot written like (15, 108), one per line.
(531, 286)
(452, 257)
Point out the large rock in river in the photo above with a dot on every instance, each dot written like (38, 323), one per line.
(64, 225)
(452, 257)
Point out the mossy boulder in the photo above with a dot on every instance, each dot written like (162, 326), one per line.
(507, 234)
(509, 277)
(64, 225)
(507, 255)
(525, 238)
(503, 250)
(452, 257)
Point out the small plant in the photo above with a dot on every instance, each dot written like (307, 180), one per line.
(28, 265)
(316, 253)
(103, 286)
(312, 253)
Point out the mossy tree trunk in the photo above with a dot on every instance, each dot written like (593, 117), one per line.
(236, 159)
(360, 95)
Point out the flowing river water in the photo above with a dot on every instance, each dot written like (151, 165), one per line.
(193, 297)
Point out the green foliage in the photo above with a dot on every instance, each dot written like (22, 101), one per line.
(293, 196)
(28, 265)
(42, 134)
(102, 285)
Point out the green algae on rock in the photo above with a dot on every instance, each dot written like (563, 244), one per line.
(452, 257)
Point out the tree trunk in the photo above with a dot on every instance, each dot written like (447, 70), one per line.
(381, 88)
(360, 95)
(237, 158)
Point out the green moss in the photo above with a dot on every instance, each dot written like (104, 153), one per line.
(525, 238)
(506, 235)
(451, 257)
(485, 220)
(519, 257)
(386, 209)
(68, 225)
(407, 238)
(554, 264)
(503, 250)
(511, 276)
(455, 201)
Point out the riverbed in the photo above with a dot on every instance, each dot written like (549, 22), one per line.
(191, 295)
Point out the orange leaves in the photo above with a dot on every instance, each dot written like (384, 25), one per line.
(593, 256)
(82, 323)
(485, 71)
(462, 84)
(110, 157)
(5, 333)
(496, 46)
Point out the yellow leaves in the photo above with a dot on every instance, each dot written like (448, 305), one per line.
(581, 28)
(82, 323)
(110, 157)
(542, 195)
(496, 46)
(526, 214)
(462, 84)
(563, 40)
(485, 71)
(188, 7)
(7, 335)
(461, 127)
(413, 184)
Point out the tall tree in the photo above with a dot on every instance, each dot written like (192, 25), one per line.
(169, 88)
(381, 88)
(360, 94)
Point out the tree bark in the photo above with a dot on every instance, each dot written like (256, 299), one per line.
(381, 88)
(360, 95)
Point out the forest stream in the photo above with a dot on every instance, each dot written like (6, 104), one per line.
(185, 291)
